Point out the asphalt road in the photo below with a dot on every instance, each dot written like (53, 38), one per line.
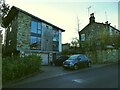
(103, 77)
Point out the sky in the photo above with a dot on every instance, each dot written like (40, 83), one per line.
(64, 13)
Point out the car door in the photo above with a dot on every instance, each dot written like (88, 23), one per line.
(83, 60)
(79, 60)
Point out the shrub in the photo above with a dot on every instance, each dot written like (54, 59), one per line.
(16, 67)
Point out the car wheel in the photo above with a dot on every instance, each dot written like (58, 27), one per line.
(76, 67)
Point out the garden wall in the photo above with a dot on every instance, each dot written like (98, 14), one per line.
(103, 56)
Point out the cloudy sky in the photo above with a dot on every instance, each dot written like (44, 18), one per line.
(64, 13)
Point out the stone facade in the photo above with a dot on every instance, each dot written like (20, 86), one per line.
(104, 56)
(23, 34)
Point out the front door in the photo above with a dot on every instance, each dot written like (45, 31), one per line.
(44, 59)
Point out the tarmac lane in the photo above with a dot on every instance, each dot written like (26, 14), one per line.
(99, 77)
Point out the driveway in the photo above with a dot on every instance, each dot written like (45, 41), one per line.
(49, 72)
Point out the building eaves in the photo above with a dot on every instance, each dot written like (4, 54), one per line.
(18, 9)
(88, 25)
(84, 28)
(115, 28)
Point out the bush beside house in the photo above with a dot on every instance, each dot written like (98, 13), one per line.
(18, 67)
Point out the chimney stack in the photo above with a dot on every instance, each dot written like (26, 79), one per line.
(92, 18)
(106, 22)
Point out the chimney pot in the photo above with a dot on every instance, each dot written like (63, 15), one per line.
(106, 22)
(92, 18)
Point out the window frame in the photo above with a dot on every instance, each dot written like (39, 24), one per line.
(38, 27)
(36, 35)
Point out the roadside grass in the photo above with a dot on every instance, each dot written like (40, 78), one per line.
(17, 68)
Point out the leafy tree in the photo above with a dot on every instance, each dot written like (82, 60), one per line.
(4, 8)
(116, 40)
(75, 42)
(75, 45)
(107, 39)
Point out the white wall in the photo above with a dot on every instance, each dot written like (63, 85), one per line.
(60, 41)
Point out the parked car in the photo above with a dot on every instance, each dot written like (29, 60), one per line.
(77, 61)
(59, 61)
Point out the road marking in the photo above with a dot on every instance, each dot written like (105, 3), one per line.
(78, 80)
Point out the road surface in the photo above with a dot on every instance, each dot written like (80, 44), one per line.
(103, 77)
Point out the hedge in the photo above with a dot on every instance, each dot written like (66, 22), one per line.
(19, 67)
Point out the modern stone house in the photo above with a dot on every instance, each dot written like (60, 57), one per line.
(100, 40)
(27, 34)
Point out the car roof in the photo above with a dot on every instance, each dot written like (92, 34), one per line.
(77, 54)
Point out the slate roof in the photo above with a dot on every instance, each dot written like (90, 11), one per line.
(97, 23)
(13, 12)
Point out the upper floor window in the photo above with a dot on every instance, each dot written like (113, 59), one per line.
(82, 37)
(36, 27)
(35, 37)
(55, 35)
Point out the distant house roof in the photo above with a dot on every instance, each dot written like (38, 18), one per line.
(13, 12)
(92, 21)
(97, 23)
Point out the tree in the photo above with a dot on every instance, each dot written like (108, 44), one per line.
(75, 42)
(4, 8)
(75, 47)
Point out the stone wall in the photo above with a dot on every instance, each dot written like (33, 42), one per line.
(103, 56)
(23, 35)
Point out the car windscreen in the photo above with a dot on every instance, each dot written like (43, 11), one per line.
(74, 57)
(83, 57)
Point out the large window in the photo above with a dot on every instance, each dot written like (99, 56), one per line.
(55, 39)
(35, 42)
(35, 37)
(55, 46)
(36, 27)
(55, 35)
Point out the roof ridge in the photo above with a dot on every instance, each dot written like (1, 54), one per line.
(37, 17)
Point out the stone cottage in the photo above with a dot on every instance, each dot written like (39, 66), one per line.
(27, 34)
(100, 41)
